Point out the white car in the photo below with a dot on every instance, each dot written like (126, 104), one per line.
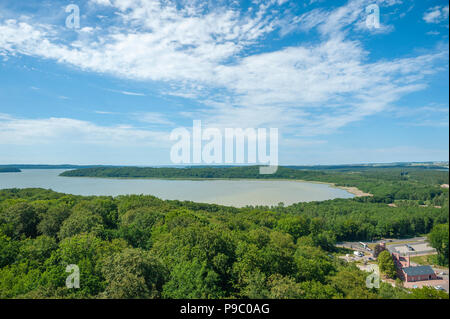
(439, 288)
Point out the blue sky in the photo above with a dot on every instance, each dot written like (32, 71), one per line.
(112, 90)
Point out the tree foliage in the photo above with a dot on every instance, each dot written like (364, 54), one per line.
(386, 264)
(439, 239)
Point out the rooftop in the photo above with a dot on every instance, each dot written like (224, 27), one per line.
(418, 270)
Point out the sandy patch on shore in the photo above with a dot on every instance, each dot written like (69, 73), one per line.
(355, 191)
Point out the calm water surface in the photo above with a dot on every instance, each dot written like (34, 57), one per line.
(236, 193)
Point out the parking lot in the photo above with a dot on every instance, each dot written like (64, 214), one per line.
(431, 283)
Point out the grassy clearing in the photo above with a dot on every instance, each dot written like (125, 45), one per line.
(427, 260)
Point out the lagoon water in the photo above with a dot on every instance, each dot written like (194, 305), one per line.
(237, 193)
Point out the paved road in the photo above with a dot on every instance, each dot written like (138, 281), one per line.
(355, 245)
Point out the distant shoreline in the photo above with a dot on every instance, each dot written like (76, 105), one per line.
(9, 170)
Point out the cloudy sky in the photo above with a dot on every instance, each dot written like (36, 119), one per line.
(111, 90)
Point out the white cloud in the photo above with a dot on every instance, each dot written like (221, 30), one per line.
(436, 14)
(19, 131)
(151, 41)
(4, 116)
(432, 115)
(430, 123)
(349, 17)
(315, 89)
(153, 118)
(132, 93)
(104, 112)
(127, 93)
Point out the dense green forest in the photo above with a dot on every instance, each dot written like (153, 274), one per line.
(9, 170)
(139, 246)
